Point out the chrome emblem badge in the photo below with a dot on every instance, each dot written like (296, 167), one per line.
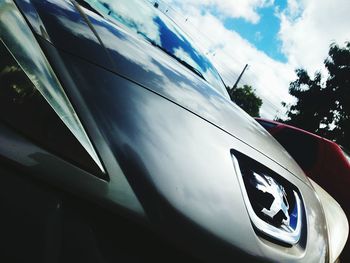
(280, 203)
(274, 209)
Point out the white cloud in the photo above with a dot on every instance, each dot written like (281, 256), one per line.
(181, 54)
(246, 9)
(308, 27)
(135, 13)
(230, 52)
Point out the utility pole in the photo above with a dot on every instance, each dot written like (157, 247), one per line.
(239, 78)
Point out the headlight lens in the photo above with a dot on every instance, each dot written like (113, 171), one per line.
(337, 223)
(18, 38)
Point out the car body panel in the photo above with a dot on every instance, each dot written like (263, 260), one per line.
(121, 53)
(329, 167)
(175, 165)
(328, 162)
(166, 138)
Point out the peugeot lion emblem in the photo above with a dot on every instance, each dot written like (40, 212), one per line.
(273, 204)
(279, 204)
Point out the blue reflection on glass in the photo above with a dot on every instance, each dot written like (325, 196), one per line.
(158, 29)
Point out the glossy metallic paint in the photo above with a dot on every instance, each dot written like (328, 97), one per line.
(165, 137)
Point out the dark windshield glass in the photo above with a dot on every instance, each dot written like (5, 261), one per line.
(301, 146)
(146, 20)
(266, 124)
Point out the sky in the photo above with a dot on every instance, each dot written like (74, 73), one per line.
(274, 37)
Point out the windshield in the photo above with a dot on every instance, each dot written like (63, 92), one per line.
(147, 21)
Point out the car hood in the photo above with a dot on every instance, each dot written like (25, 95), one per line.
(85, 34)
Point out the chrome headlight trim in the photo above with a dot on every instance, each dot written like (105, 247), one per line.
(20, 41)
(283, 234)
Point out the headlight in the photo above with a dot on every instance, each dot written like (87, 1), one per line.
(19, 40)
(337, 223)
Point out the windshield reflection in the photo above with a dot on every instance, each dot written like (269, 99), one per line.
(145, 20)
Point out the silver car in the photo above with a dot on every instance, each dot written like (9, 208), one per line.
(118, 142)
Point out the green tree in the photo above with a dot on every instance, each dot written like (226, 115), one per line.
(246, 98)
(338, 83)
(323, 105)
